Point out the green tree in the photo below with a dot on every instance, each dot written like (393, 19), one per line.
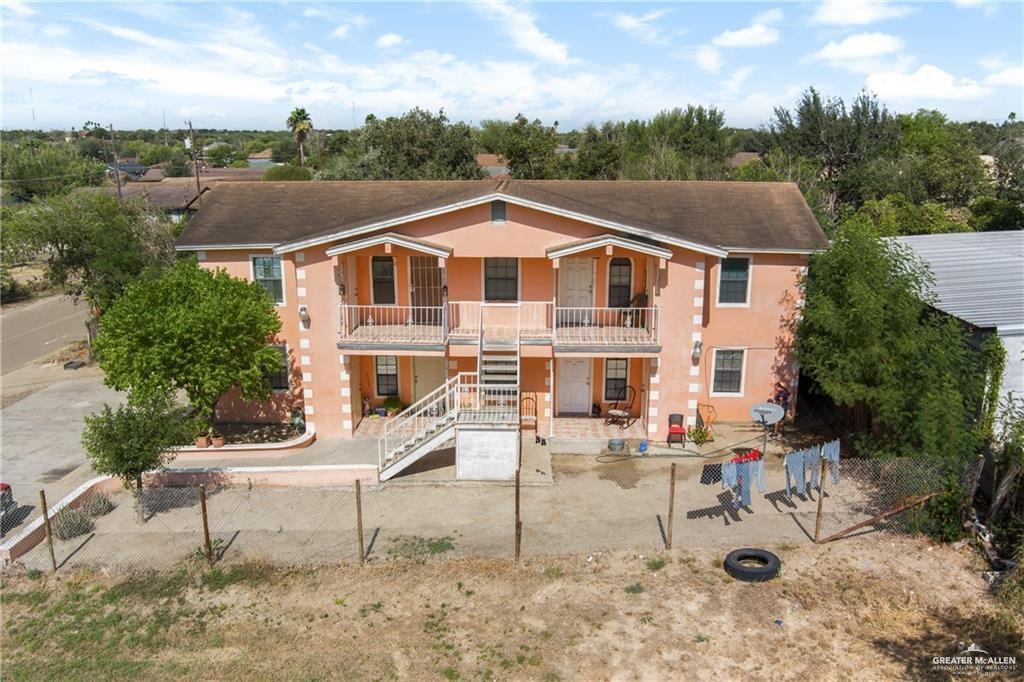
(34, 169)
(600, 152)
(135, 438)
(192, 329)
(530, 149)
(178, 166)
(491, 135)
(286, 172)
(92, 246)
(895, 215)
(989, 214)
(300, 123)
(220, 156)
(902, 374)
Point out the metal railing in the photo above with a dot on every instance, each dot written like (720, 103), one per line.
(606, 326)
(494, 404)
(393, 324)
(414, 421)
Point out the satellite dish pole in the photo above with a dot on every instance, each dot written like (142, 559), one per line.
(766, 414)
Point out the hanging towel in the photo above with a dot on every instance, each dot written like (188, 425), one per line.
(795, 473)
(812, 464)
(728, 475)
(757, 473)
(743, 481)
(830, 451)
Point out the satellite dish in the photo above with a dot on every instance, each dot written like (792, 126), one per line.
(767, 414)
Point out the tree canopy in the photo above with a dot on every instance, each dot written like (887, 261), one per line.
(191, 329)
(32, 169)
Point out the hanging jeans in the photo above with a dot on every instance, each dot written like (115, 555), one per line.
(757, 473)
(830, 451)
(812, 462)
(729, 475)
(743, 480)
(795, 474)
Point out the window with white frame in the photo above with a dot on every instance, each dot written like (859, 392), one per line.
(266, 271)
(501, 279)
(733, 281)
(280, 379)
(616, 376)
(387, 375)
(620, 279)
(498, 211)
(382, 270)
(728, 375)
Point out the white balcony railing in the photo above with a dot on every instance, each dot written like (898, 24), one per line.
(373, 324)
(466, 321)
(606, 326)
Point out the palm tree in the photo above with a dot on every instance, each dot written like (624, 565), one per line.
(300, 124)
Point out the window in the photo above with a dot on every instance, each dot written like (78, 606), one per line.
(501, 279)
(383, 272)
(280, 378)
(497, 211)
(387, 375)
(733, 280)
(620, 279)
(616, 372)
(728, 371)
(266, 270)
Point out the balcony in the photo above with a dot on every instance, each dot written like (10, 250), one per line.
(569, 329)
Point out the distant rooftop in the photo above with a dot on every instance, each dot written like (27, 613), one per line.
(979, 276)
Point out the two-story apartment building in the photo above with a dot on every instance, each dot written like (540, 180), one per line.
(491, 298)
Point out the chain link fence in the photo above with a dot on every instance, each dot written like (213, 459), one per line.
(611, 503)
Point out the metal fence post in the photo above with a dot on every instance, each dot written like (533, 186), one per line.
(206, 525)
(49, 530)
(821, 497)
(519, 523)
(359, 521)
(671, 504)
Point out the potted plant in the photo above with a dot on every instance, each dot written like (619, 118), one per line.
(203, 440)
(392, 405)
(217, 439)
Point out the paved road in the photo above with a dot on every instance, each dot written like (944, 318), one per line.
(29, 332)
(40, 445)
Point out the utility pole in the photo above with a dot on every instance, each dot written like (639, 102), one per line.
(195, 162)
(117, 165)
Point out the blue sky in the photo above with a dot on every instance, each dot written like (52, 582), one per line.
(246, 65)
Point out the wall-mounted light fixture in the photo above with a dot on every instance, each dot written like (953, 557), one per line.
(304, 316)
(698, 348)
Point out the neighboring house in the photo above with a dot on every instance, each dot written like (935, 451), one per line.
(262, 160)
(131, 170)
(979, 279)
(495, 165)
(477, 299)
(175, 196)
(740, 158)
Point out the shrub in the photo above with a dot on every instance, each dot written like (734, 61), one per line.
(239, 163)
(287, 172)
(393, 404)
(699, 435)
(70, 523)
(98, 505)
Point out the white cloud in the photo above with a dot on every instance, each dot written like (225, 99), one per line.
(389, 40)
(929, 82)
(55, 30)
(732, 85)
(643, 27)
(757, 34)
(708, 58)
(859, 46)
(19, 8)
(856, 12)
(133, 35)
(341, 31)
(1012, 76)
(984, 5)
(520, 26)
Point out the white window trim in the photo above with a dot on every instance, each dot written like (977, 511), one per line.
(519, 281)
(394, 282)
(608, 279)
(750, 278)
(743, 373)
(398, 377)
(288, 365)
(604, 379)
(252, 275)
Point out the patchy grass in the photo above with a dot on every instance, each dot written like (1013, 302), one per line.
(635, 588)
(418, 548)
(655, 564)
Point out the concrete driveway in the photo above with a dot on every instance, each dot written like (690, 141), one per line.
(40, 446)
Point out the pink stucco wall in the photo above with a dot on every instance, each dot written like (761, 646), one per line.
(327, 382)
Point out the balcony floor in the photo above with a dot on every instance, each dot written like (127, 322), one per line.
(394, 333)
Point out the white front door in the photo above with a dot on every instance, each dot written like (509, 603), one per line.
(577, 283)
(574, 385)
(428, 374)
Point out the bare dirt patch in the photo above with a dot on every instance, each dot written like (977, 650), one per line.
(876, 608)
(24, 381)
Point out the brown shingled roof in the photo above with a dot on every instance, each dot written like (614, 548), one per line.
(722, 215)
(168, 196)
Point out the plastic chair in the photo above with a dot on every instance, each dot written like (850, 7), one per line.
(619, 411)
(676, 429)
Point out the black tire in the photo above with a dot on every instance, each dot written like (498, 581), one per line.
(752, 565)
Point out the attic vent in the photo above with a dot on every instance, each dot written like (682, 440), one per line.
(497, 211)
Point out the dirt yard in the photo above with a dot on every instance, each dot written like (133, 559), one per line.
(871, 608)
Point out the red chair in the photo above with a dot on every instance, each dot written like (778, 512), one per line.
(676, 429)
